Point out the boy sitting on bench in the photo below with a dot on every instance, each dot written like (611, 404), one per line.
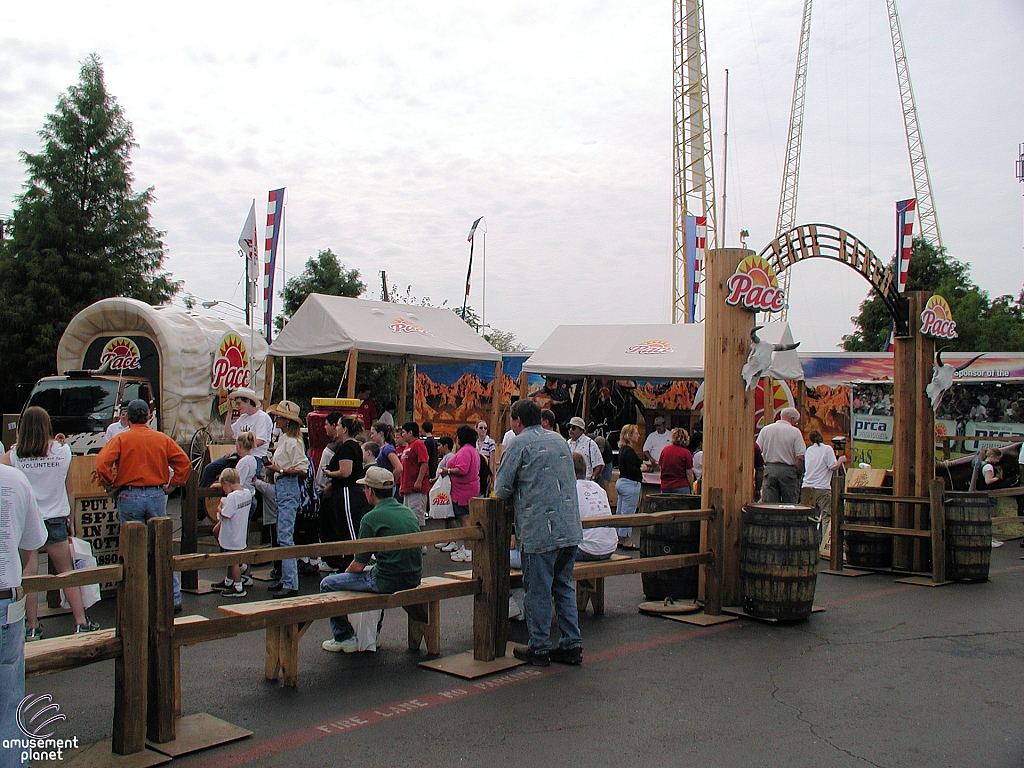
(395, 570)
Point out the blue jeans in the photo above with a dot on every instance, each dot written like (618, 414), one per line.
(547, 575)
(629, 499)
(12, 684)
(141, 504)
(363, 581)
(680, 491)
(287, 490)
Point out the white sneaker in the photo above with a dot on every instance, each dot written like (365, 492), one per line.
(462, 555)
(996, 543)
(451, 546)
(337, 646)
(440, 545)
(325, 568)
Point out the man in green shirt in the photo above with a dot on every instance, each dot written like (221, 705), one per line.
(395, 570)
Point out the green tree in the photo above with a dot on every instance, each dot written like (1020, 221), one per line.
(79, 233)
(983, 324)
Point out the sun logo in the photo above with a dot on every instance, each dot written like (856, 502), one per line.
(122, 353)
(754, 287)
(231, 365)
(401, 325)
(937, 319)
(653, 347)
(441, 499)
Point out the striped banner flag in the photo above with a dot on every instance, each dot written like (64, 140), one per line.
(904, 239)
(275, 215)
(696, 241)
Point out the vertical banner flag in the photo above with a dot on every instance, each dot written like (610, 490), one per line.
(904, 239)
(275, 211)
(696, 240)
(904, 244)
(249, 243)
(469, 270)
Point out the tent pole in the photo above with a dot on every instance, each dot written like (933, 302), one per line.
(350, 369)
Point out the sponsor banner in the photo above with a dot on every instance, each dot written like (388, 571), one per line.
(937, 319)
(652, 347)
(875, 429)
(401, 325)
(754, 287)
(231, 364)
(122, 353)
(990, 429)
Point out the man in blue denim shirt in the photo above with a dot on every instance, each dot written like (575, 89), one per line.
(536, 472)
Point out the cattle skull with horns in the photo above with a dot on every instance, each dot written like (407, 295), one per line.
(760, 358)
(942, 378)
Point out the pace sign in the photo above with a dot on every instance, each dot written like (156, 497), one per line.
(754, 287)
(937, 319)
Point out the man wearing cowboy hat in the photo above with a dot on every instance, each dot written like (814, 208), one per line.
(394, 571)
(252, 418)
(580, 443)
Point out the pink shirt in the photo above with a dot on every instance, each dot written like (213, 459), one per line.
(466, 486)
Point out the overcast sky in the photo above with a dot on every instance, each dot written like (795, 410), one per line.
(395, 124)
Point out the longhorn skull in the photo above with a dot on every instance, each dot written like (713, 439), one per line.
(760, 358)
(942, 378)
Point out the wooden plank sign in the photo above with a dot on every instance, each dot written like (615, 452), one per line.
(96, 522)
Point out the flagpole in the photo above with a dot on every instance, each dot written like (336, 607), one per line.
(284, 275)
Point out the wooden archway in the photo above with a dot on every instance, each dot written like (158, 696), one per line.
(828, 242)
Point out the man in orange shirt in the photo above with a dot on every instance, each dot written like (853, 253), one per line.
(138, 464)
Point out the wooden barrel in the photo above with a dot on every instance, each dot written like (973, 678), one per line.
(779, 561)
(968, 536)
(869, 550)
(670, 539)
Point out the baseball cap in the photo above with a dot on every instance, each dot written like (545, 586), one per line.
(659, 420)
(377, 477)
(138, 409)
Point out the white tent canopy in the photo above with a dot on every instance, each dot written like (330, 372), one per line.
(652, 352)
(329, 327)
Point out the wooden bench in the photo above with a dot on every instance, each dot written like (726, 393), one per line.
(589, 589)
(55, 654)
(286, 620)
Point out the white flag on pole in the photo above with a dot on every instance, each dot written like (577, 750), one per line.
(248, 241)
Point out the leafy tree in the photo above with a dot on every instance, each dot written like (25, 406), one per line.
(983, 324)
(323, 274)
(79, 233)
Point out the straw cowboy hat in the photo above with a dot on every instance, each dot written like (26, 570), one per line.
(286, 409)
(245, 392)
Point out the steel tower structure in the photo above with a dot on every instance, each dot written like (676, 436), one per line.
(915, 144)
(694, 193)
(791, 169)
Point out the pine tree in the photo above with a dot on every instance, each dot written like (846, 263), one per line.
(79, 232)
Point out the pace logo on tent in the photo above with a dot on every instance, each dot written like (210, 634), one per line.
(937, 319)
(122, 353)
(401, 325)
(653, 347)
(231, 365)
(754, 287)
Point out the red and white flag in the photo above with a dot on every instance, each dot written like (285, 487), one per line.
(275, 215)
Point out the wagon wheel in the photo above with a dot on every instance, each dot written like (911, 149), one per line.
(197, 448)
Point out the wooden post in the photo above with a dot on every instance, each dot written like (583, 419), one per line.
(586, 401)
(497, 387)
(130, 668)
(904, 451)
(352, 366)
(524, 385)
(716, 543)
(160, 710)
(491, 567)
(403, 390)
(729, 410)
(838, 515)
(190, 527)
(938, 522)
(924, 421)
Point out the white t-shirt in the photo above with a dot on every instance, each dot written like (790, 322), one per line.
(261, 425)
(698, 465)
(48, 476)
(116, 429)
(386, 418)
(506, 441)
(655, 442)
(234, 520)
(247, 468)
(819, 461)
(593, 502)
(22, 524)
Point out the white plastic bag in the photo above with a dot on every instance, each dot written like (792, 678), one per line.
(83, 559)
(365, 624)
(441, 499)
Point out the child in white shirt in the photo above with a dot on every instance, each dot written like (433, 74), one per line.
(232, 528)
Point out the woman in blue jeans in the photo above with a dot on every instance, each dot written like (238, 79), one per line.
(630, 477)
(291, 465)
